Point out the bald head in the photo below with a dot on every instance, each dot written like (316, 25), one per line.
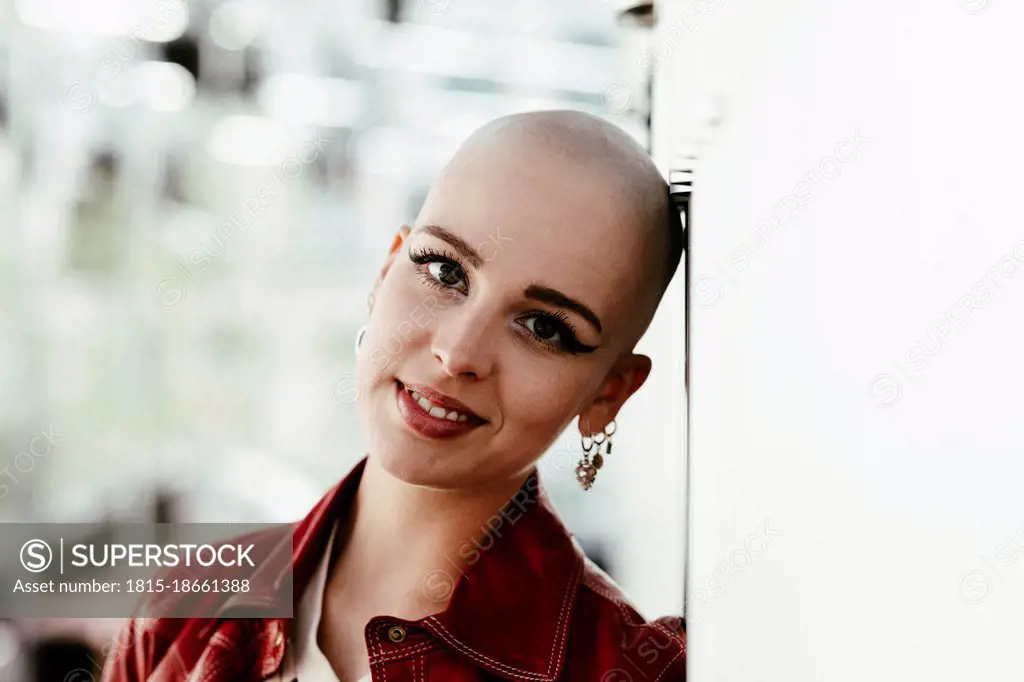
(583, 139)
(591, 183)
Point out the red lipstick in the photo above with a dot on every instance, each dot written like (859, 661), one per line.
(418, 419)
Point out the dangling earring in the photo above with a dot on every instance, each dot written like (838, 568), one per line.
(586, 470)
(609, 431)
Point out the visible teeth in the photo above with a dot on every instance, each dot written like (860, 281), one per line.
(436, 410)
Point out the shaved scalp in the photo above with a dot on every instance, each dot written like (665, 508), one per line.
(629, 174)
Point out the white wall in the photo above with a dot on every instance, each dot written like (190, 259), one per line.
(889, 474)
(649, 466)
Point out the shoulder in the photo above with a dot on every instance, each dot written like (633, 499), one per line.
(610, 641)
(172, 629)
(174, 649)
(144, 644)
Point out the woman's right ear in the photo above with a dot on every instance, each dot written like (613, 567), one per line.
(396, 246)
(403, 233)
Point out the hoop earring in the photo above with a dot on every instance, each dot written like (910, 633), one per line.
(359, 337)
(586, 470)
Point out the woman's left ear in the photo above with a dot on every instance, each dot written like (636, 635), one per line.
(625, 378)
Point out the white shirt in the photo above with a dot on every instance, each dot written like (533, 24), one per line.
(305, 661)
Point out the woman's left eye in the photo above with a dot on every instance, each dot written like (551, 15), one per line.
(544, 329)
(447, 274)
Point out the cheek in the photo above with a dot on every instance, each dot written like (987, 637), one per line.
(539, 402)
(402, 317)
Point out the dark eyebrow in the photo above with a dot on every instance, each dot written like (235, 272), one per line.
(456, 242)
(539, 292)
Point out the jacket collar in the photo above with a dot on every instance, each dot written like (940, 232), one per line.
(510, 608)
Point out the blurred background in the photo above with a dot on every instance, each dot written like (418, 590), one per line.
(195, 200)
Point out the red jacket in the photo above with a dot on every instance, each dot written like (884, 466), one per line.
(530, 607)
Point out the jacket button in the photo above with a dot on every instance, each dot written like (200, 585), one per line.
(396, 633)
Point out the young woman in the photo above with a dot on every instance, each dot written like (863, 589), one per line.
(511, 308)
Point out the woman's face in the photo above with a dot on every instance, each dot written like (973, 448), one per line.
(508, 310)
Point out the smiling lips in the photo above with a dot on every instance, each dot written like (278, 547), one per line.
(432, 414)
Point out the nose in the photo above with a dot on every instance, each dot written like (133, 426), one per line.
(461, 344)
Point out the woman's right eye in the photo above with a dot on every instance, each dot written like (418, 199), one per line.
(448, 275)
(440, 270)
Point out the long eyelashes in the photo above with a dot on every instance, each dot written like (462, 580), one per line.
(424, 258)
(568, 342)
(566, 332)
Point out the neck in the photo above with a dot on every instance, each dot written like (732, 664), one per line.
(405, 546)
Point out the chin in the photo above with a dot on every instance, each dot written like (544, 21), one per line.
(414, 463)
(413, 453)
